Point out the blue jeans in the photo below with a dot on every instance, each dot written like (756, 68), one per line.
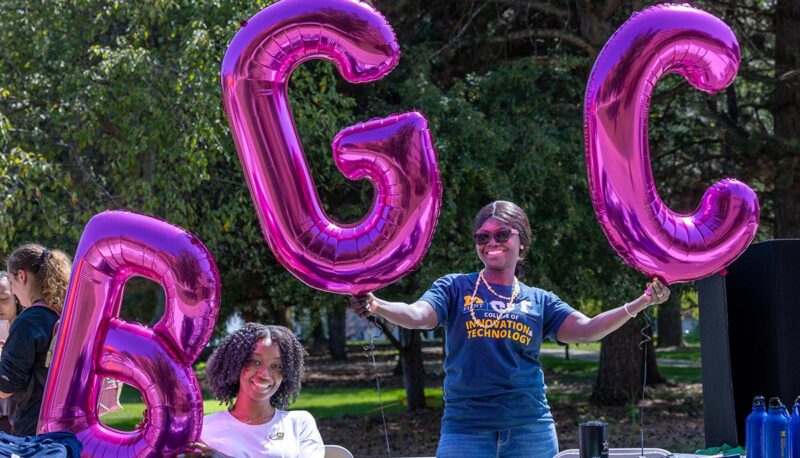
(532, 441)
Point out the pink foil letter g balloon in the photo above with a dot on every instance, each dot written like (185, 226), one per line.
(648, 235)
(93, 342)
(396, 153)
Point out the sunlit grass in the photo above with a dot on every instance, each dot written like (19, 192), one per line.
(341, 401)
(321, 402)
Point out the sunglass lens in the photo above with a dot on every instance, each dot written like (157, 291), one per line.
(502, 235)
(482, 238)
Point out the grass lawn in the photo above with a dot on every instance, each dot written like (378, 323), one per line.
(334, 402)
(594, 346)
(321, 402)
(690, 353)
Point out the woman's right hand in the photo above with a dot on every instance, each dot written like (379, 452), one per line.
(201, 450)
(364, 305)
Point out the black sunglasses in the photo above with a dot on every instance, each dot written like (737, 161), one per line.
(501, 236)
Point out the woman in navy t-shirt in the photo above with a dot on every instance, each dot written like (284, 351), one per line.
(39, 279)
(495, 403)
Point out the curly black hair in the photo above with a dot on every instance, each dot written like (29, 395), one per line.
(227, 361)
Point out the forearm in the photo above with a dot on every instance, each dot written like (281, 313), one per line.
(581, 329)
(418, 315)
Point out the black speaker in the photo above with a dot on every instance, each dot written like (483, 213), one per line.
(749, 336)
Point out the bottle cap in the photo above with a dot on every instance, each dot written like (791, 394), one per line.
(775, 402)
(758, 401)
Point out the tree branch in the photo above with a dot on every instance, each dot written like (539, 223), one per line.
(609, 8)
(460, 32)
(538, 6)
(547, 33)
(381, 323)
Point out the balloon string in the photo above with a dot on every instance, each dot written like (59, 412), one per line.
(643, 346)
(369, 351)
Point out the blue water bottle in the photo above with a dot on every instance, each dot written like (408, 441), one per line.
(754, 429)
(793, 436)
(775, 426)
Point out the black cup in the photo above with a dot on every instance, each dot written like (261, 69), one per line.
(593, 439)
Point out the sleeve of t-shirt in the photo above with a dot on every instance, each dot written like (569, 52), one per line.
(308, 436)
(440, 296)
(555, 312)
(19, 354)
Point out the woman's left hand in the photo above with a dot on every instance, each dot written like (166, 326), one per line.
(657, 292)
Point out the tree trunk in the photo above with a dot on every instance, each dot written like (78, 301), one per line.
(410, 347)
(670, 331)
(398, 368)
(653, 374)
(413, 368)
(786, 111)
(337, 333)
(318, 341)
(619, 375)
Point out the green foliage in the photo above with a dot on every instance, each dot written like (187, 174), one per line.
(515, 134)
(116, 105)
(108, 104)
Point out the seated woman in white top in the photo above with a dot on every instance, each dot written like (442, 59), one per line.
(261, 367)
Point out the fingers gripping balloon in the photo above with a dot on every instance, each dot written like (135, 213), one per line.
(648, 235)
(395, 153)
(93, 342)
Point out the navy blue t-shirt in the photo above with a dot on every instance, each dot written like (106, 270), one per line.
(493, 378)
(24, 355)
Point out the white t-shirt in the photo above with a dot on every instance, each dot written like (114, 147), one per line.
(290, 434)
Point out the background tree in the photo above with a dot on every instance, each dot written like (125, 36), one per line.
(107, 104)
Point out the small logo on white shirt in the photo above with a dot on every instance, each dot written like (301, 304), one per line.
(276, 436)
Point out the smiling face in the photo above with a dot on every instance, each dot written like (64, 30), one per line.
(498, 256)
(261, 375)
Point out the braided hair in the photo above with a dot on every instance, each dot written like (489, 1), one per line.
(226, 363)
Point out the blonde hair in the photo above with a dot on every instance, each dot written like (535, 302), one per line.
(49, 271)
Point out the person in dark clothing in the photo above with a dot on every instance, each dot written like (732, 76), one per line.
(39, 279)
(9, 309)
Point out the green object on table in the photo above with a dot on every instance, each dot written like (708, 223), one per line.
(723, 449)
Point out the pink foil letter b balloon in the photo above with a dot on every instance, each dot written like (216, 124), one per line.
(648, 235)
(93, 342)
(396, 153)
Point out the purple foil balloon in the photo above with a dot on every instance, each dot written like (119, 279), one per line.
(396, 153)
(93, 342)
(645, 233)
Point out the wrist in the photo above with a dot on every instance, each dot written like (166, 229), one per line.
(628, 311)
(633, 308)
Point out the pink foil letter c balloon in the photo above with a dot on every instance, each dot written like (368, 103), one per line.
(649, 236)
(93, 342)
(396, 153)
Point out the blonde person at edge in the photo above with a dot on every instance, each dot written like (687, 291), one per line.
(495, 403)
(39, 278)
(9, 309)
(262, 368)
